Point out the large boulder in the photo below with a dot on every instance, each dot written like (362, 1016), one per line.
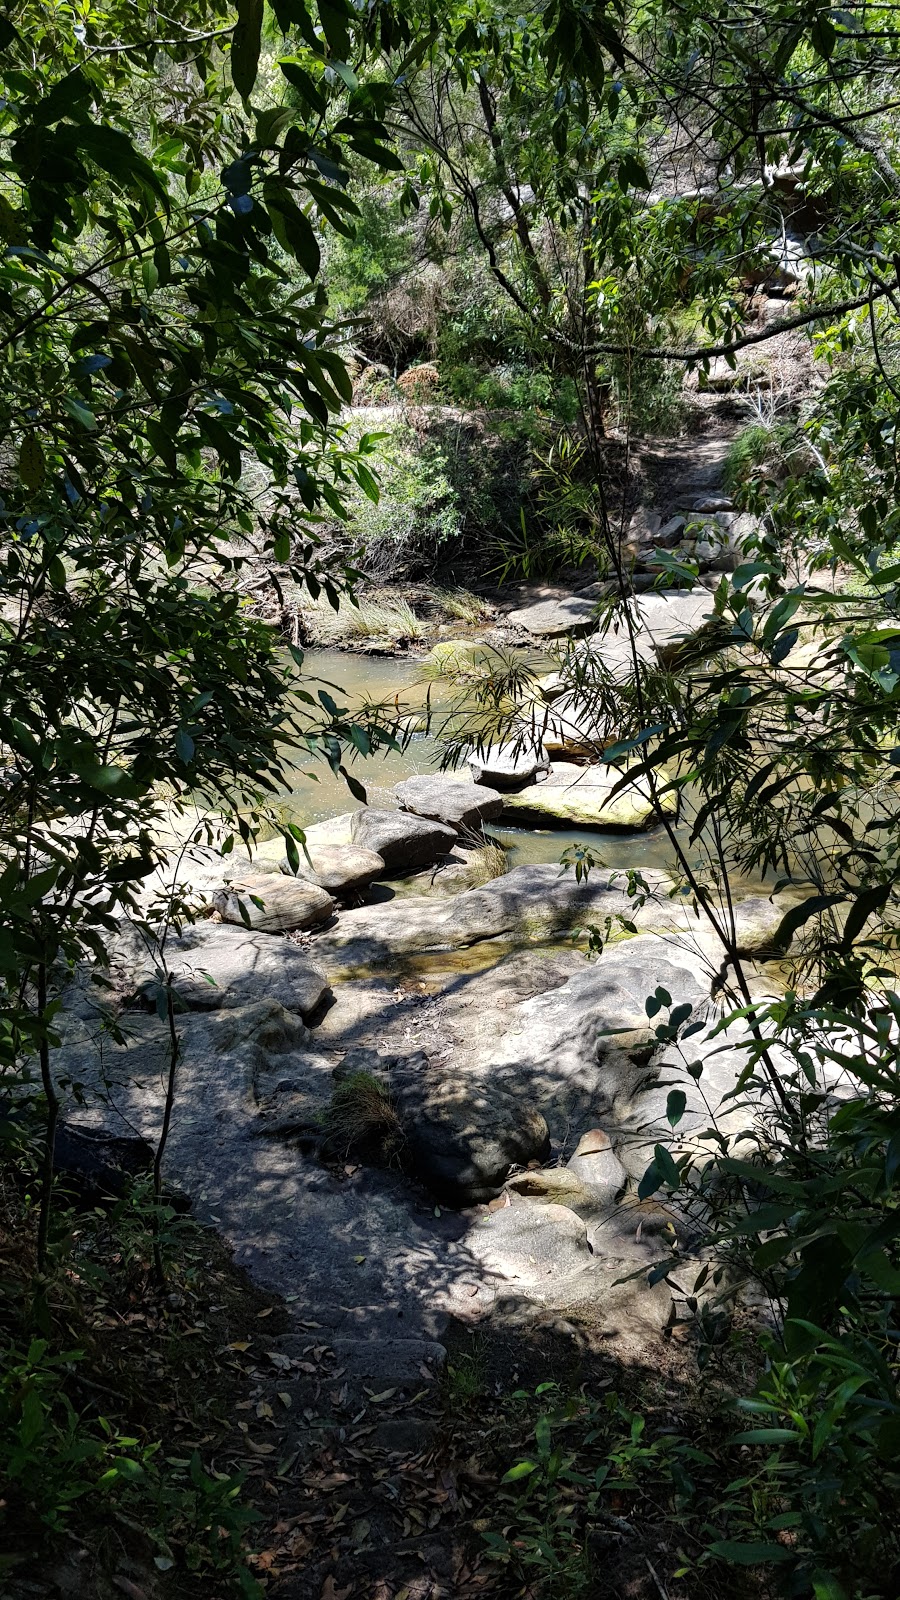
(456, 801)
(583, 797)
(273, 903)
(507, 766)
(552, 619)
(343, 869)
(581, 1053)
(461, 1140)
(216, 964)
(403, 842)
(673, 616)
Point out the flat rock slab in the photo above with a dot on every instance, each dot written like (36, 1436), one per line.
(673, 616)
(273, 903)
(216, 964)
(552, 619)
(365, 1255)
(403, 841)
(527, 904)
(456, 801)
(583, 796)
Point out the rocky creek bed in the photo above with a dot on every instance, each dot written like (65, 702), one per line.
(406, 1099)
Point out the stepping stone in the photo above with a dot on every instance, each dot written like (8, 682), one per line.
(582, 796)
(552, 619)
(286, 903)
(506, 766)
(457, 801)
(403, 841)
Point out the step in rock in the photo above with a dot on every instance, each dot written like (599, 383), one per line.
(216, 964)
(273, 903)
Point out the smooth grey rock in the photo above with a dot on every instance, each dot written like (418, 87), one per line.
(285, 903)
(530, 903)
(543, 1253)
(525, 904)
(672, 616)
(462, 1146)
(458, 802)
(596, 1164)
(403, 841)
(584, 1050)
(368, 1260)
(342, 869)
(551, 619)
(507, 766)
(243, 966)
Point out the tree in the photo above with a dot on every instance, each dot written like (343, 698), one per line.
(169, 407)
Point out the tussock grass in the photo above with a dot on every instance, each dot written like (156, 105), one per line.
(461, 603)
(485, 864)
(363, 1118)
(374, 617)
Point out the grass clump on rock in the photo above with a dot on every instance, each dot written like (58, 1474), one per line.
(363, 1119)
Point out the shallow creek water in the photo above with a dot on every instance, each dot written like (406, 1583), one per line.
(355, 680)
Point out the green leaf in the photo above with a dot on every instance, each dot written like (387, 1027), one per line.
(800, 914)
(666, 1166)
(867, 902)
(827, 1587)
(823, 36)
(522, 1469)
(293, 230)
(632, 173)
(245, 46)
(79, 413)
(293, 854)
(32, 464)
(184, 746)
(130, 868)
(56, 572)
(675, 1104)
(752, 1554)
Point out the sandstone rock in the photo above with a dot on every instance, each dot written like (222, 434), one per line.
(596, 1164)
(456, 801)
(507, 766)
(216, 964)
(529, 903)
(342, 869)
(403, 841)
(542, 1253)
(584, 1050)
(285, 903)
(557, 1186)
(672, 616)
(552, 619)
(462, 1145)
(582, 796)
(462, 657)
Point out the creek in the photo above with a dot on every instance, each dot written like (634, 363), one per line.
(315, 794)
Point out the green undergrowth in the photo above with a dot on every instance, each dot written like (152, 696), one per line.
(117, 1399)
